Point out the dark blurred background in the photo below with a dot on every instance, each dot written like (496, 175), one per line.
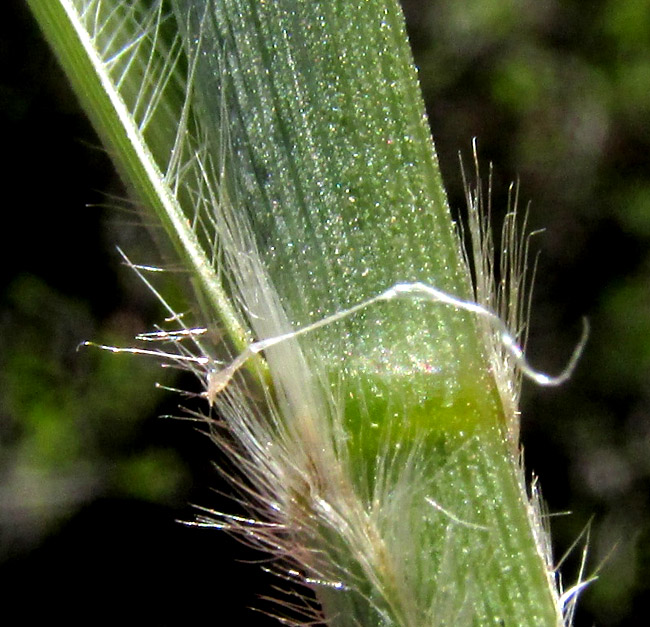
(92, 481)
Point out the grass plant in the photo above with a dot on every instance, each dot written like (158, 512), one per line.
(283, 148)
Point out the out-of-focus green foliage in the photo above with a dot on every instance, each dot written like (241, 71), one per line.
(70, 419)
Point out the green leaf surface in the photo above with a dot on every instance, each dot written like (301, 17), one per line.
(283, 146)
